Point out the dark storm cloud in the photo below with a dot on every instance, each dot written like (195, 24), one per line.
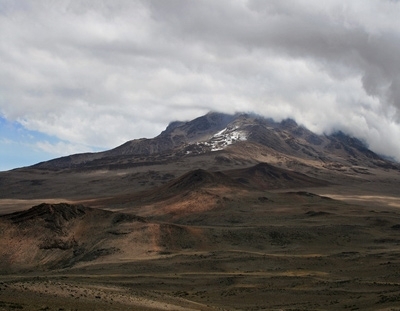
(331, 36)
(99, 73)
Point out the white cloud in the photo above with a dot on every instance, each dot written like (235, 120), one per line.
(59, 148)
(96, 74)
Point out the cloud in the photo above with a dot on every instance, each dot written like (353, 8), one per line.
(99, 74)
(58, 148)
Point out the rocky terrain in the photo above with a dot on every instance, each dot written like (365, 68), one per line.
(224, 212)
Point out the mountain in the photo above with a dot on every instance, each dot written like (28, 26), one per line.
(213, 142)
(176, 136)
(218, 132)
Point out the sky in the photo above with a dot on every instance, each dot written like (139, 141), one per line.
(83, 75)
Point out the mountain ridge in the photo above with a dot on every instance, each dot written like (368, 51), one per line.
(215, 132)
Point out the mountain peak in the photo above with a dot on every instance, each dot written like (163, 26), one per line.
(289, 124)
(216, 132)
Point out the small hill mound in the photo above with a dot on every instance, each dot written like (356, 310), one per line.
(192, 193)
(265, 176)
(53, 236)
(49, 212)
(199, 178)
(55, 217)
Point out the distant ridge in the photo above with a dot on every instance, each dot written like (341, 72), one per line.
(266, 177)
(190, 182)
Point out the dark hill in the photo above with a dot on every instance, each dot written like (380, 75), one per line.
(49, 212)
(200, 178)
(265, 176)
(191, 184)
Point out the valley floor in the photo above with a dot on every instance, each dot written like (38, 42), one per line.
(235, 280)
(297, 251)
(218, 213)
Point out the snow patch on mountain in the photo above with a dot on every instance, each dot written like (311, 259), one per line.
(226, 137)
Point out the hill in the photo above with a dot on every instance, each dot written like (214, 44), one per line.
(265, 176)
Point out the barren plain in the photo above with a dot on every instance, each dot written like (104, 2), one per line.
(220, 248)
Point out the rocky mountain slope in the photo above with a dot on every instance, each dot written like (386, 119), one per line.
(214, 142)
(216, 132)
